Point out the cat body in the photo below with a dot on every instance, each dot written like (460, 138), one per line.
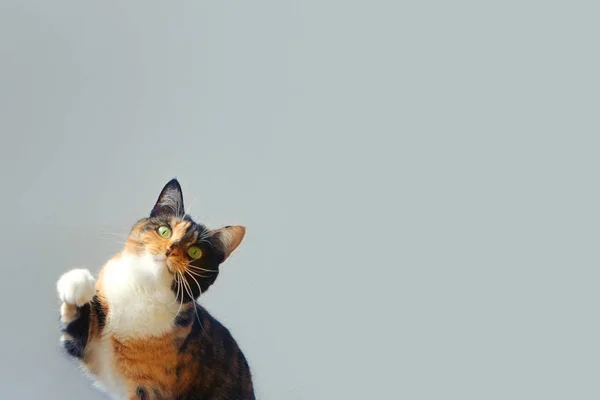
(137, 329)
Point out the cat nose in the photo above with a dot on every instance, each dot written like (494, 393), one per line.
(169, 251)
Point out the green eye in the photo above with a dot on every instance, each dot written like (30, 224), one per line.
(195, 252)
(164, 232)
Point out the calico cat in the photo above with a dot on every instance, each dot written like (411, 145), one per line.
(138, 331)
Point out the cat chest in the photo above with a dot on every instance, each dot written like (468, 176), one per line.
(149, 364)
(137, 350)
(138, 305)
(124, 367)
(141, 316)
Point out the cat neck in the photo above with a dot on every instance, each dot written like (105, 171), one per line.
(138, 291)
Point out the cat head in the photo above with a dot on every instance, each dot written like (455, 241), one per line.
(189, 251)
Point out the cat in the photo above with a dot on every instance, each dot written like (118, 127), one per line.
(138, 330)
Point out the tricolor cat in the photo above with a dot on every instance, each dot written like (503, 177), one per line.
(137, 329)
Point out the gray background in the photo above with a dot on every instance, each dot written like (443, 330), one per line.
(419, 181)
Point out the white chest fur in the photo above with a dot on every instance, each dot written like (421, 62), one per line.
(140, 300)
(141, 304)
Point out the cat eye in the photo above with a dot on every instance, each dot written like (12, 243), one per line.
(195, 252)
(164, 231)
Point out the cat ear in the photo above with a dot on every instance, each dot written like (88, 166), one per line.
(230, 237)
(170, 201)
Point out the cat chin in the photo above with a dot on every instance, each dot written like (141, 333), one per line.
(146, 265)
(159, 258)
(161, 262)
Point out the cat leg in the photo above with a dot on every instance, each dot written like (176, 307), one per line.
(76, 290)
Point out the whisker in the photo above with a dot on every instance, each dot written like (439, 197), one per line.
(202, 269)
(190, 205)
(196, 308)
(175, 277)
(121, 235)
(187, 288)
(121, 242)
(181, 304)
(198, 274)
(206, 233)
(192, 276)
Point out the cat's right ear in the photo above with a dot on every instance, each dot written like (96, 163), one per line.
(170, 201)
(230, 238)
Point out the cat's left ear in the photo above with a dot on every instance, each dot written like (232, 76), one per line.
(230, 238)
(170, 201)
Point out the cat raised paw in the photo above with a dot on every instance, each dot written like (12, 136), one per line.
(76, 287)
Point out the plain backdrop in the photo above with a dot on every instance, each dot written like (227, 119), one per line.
(419, 180)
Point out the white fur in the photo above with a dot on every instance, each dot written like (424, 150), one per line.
(139, 295)
(77, 287)
(107, 378)
(141, 304)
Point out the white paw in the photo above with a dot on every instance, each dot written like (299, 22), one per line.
(77, 287)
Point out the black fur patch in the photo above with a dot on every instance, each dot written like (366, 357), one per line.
(141, 393)
(100, 312)
(194, 332)
(73, 348)
(184, 318)
(78, 329)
